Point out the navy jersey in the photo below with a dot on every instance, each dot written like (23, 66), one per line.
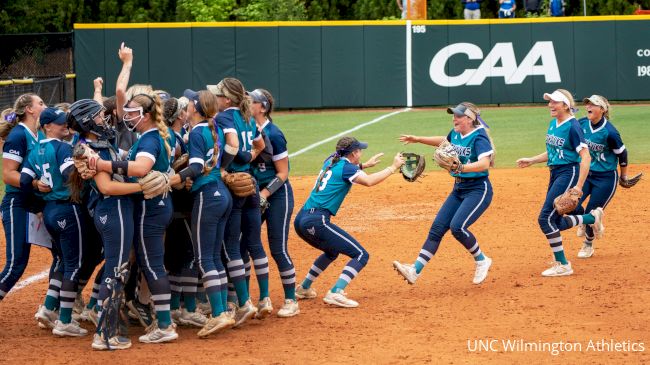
(18, 144)
(275, 149)
(201, 147)
(74, 140)
(564, 142)
(231, 121)
(180, 143)
(470, 148)
(47, 162)
(604, 144)
(152, 146)
(332, 185)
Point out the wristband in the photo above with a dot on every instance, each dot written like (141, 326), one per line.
(274, 185)
(360, 166)
(120, 167)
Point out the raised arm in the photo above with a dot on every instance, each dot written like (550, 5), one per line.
(126, 56)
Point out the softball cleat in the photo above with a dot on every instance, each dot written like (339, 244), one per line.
(141, 312)
(244, 313)
(90, 315)
(71, 329)
(196, 318)
(45, 317)
(302, 293)
(558, 270)
(599, 228)
(580, 232)
(156, 334)
(114, 343)
(482, 268)
(407, 271)
(264, 308)
(339, 299)
(289, 309)
(216, 324)
(586, 251)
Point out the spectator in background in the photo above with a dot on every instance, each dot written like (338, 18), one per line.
(531, 6)
(402, 6)
(507, 8)
(556, 8)
(472, 9)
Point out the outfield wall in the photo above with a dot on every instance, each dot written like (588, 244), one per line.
(380, 63)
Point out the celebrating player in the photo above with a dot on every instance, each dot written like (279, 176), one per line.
(567, 156)
(470, 197)
(339, 172)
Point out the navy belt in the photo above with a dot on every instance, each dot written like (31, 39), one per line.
(459, 180)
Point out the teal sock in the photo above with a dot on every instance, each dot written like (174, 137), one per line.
(216, 303)
(559, 256)
(164, 319)
(190, 303)
(51, 303)
(340, 285)
(418, 267)
(306, 284)
(91, 303)
(224, 299)
(175, 302)
(480, 257)
(588, 219)
(65, 315)
(264, 287)
(242, 292)
(290, 292)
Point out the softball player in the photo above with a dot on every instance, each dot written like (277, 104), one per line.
(607, 150)
(568, 159)
(470, 197)
(244, 224)
(271, 170)
(51, 162)
(18, 131)
(179, 254)
(339, 172)
(151, 151)
(112, 206)
(212, 204)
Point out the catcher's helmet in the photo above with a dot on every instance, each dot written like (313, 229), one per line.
(82, 118)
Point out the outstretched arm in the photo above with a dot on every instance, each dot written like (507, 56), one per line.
(379, 176)
(126, 55)
(431, 141)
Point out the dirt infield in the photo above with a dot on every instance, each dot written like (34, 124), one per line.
(438, 319)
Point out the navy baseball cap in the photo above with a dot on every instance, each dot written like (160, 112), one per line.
(53, 115)
(356, 145)
(193, 97)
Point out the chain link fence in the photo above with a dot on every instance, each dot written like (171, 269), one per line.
(41, 63)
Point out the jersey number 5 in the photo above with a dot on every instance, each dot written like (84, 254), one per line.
(47, 176)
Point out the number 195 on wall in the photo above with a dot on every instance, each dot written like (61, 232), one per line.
(643, 71)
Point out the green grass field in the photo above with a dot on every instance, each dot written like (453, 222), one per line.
(517, 132)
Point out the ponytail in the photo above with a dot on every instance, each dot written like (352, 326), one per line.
(12, 116)
(478, 122)
(215, 148)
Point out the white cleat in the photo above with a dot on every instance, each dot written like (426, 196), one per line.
(302, 293)
(196, 319)
(482, 268)
(244, 313)
(114, 343)
(216, 324)
(289, 309)
(264, 308)
(339, 299)
(90, 315)
(580, 232)
(407, 271)
(45, 317)
(558, 270)
(586, 251)
(599, 228)
(157, 335)
(71, 329)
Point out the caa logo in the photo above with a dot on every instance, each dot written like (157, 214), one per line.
(14, 152)
(540, 61)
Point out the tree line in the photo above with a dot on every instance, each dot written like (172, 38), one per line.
(37, 16)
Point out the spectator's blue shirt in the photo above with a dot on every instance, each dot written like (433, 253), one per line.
(507, 4)
(472, 4)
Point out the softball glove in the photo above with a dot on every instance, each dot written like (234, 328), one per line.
(628, 182)
(446, 157)
(241, 184)
(413, 166)
(567, 202)
(155, 183)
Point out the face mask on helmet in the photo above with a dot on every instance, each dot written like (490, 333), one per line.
(132, 122)
(82, 118)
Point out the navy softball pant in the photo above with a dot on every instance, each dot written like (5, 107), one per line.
(14, 221)
(600, 188)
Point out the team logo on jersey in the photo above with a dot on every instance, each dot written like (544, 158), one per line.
(462, 150)
(91, 212)
(596, 147)
(554, 140)
(216, 193)
(162, 203)
(103, 219)
(14, 152)
(61, 224)
(312, 231)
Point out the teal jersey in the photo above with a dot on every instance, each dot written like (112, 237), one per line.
(332, 185)
(152, 146)
(18, 145)
(604, 142)
(231, 120)
(275, 149)
(171, 140)
(470, 148)
(201, 150)
(40, 134)
(564, 142)
(47, 162)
